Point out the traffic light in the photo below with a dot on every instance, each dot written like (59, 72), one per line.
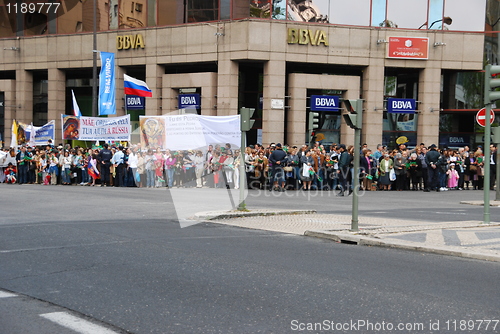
(313, 123)
(355, 116)
(246, 123)
(491, 83)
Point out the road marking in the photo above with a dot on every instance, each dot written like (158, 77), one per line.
(77, 324)
(4, 294)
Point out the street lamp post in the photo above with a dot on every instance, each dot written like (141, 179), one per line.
(94, 62)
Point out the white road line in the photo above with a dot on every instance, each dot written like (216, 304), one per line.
(78, 325)
(4, 294)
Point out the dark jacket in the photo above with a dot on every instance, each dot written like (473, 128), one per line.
(278, 155)
(432, 157)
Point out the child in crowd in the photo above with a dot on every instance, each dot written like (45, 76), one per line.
(452, 177)
(10, 173)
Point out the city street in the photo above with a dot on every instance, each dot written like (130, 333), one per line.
(118, 259)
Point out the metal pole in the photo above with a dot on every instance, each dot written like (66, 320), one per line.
(242, 206)
(497, 165)
(94, 63)
(486, 165)
(355, 176)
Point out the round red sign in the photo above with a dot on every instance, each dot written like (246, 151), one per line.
(481, 117)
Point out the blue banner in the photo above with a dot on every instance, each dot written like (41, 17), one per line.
(189, 101)
(107, 88)
(407, 106)
(324, 103)
(133, 102)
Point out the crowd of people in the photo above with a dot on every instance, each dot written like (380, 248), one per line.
(274, 167)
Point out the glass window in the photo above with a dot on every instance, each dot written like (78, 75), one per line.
(202, 10)
(353, 12)
(279, 9)
(466, 15)
(379, 8)
(407, 13)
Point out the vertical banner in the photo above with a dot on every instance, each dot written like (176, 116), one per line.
(107, 85)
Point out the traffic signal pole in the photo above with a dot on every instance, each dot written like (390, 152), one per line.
(490, 96)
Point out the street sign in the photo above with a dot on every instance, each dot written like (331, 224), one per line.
(481, 117)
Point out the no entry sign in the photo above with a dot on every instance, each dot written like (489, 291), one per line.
(481, 117)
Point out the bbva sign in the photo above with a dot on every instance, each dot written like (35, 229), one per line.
(129, 42)
(307, 36)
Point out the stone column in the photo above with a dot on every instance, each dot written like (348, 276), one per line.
(429, 95)
(57, 99)
(120, 94)
(227, 83)
(273, 120)
(24, 96)
(154, 79)
(373, 104)
(10, 107)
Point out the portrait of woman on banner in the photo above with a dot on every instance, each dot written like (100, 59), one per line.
(71, 128)
(152, 132)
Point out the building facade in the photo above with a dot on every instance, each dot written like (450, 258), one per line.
(273, 56)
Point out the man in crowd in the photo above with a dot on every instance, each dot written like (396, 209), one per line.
(22, 159)
(431, 159)
(277, 159)
(104, 157)
(117, 161)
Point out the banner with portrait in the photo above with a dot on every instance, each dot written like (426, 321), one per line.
(190, 131)
(96, 128)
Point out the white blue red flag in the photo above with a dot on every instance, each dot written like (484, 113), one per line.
(76, 108)
(136, 87)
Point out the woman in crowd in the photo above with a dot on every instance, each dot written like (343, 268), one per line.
(150, 167)
(92, 169)
(250, 162)
(307, 162)
(384, 170)
(368, 168)
(169, 162)
(159, 181)
(199, 164)
(53, 168)
(179, 172)
(414, 167)
(261, 169)
(292, 169)
(66, 168)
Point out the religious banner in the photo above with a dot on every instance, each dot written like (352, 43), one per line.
(96, 128)
(190, 131)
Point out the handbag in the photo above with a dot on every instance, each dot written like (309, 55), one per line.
(288, 169)
(473, 168)
(305, 170)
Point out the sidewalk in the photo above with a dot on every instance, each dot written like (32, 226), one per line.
(469, 239)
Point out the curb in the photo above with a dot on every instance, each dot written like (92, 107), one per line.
(239, 214)
(367, 241)
(480, 203)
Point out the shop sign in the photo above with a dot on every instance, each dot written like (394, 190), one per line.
(189, 101)
(406, 106)
(324, 103)
(408, 48)
(307, 36)
(455, 140)
(135, 102)
(129, 42)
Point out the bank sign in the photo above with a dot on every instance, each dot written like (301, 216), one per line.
(189, 101)
(324, 103)
(406, 106)
(135, 102)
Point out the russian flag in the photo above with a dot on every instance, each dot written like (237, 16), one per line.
(76, 108)
(136, 87)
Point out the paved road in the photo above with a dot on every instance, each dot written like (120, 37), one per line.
(119, 256)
